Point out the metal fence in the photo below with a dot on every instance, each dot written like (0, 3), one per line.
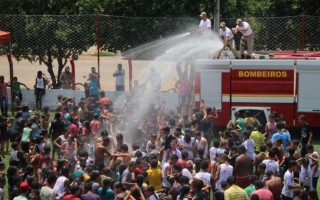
(47, 38)
(122, 33)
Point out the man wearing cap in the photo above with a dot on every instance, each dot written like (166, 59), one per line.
(228, 37)
(247, 37)
(24, 190)
(205, 25)
(66, 78)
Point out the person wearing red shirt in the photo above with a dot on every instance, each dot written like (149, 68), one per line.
(75, 193)
(139, 168)
(103, 100)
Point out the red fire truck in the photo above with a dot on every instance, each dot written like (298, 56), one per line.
(289, 87)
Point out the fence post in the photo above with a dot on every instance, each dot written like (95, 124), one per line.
(11, 76)
(302, 33)
(130, 71)
(73, 74)
(98, 41)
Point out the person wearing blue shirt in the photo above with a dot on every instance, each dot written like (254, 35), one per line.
(286, 139)
(94, 87)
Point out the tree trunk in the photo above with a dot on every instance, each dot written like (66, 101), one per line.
(50, 70)
(62, 63)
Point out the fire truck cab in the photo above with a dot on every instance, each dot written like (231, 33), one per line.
(289, 87)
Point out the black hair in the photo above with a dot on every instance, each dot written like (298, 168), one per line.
(223, 184)
(64, 171)
(247, 133)
(177, 167)
(57, 115)
(204, 165)
(279, 140)
(14, 144)
(237, 114)
(280, 125)
(254, 197)
(242, 149)
(291, 163)
(174, 157)
(296, 192)
(124, 147)
(139, 180)
(262, 166)
(184, 154)
(216, 143)
(166, 129)
(296, 142)
(106, 140)
(234, 148)
(135, 146)
(269, 144)
(104, 133)
(144, 174)
(187, 138)
(272, 153)
(118, 185)
(138, 154)
(309, 146)
(303, 194)
(34, 185)
(74, 189)
(198, 184)
(94, 175)
(198, 133)
(122, 167)
(253, 179)
(152, 146)
(132, 163)
(291, 151)
(184, 191)
(231, 180)
(88, 185)
(51, 178)
(259, 184)
(183, 180)
(263, 148)
(313, 194)
(261, 128)
(154, 163)
(269, 173)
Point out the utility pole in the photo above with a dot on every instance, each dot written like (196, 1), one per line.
(216, 20)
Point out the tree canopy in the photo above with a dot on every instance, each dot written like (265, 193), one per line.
(164, 8)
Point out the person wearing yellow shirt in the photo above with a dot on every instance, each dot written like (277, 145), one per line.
(154, 175)
(258, 138)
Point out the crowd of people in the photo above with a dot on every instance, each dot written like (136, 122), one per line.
(92, 150)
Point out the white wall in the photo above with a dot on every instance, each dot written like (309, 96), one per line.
(51, 98)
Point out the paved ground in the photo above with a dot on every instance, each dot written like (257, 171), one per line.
(26, 71)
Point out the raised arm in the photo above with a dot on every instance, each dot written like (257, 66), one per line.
(24, 86)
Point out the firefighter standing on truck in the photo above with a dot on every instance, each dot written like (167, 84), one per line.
(228, 37)
(246, 39)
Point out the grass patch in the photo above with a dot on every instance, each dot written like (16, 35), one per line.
(105, 53)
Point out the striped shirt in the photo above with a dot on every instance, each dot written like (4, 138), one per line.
(235, 193)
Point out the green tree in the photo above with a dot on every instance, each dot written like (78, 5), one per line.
(48, 38)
